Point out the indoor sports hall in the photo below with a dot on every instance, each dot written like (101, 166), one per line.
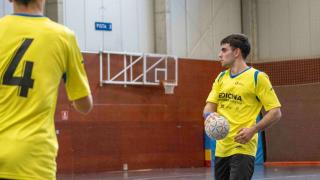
(151, 65)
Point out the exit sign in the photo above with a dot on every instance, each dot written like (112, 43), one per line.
(103, 26)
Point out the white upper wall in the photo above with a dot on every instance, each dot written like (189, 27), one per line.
(132, 24)
(195, 28)
(288, 28)
(1, 8)
(5, 8)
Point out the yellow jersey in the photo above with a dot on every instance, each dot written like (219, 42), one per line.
(239, 99)
(35, 52)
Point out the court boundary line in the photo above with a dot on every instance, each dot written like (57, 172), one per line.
(281, 177)
(293, 163)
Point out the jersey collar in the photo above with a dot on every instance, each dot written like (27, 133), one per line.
(27, 15)
(233, 76)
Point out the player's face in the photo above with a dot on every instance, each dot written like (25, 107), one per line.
(226, 55)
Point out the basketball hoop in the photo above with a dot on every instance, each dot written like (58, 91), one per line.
(168, 86)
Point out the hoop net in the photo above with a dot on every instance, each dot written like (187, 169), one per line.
(168, 86)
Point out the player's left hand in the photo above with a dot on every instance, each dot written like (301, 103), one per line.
(244, 135)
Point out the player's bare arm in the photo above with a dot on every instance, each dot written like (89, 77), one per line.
(83, 105)
(210, 107)
(271, 117)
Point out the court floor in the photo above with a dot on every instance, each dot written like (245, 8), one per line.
(261, 172)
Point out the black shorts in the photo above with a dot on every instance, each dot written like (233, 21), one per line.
(235, 167)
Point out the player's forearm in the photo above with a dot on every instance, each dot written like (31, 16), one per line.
(268, 120)
(210, 107)
(83, 105)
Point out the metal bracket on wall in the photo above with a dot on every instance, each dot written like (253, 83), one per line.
(137, 68)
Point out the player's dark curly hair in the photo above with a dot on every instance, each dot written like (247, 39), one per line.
(24, 2)
(238, 41)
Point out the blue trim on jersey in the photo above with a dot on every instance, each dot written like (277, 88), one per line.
(233, 76)
(64, 77)
(260, 152)
(222, 74)
(256, 77)
(256, 81)
(259, 117)
(27, 15)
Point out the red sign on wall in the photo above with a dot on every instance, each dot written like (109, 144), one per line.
(64, 115)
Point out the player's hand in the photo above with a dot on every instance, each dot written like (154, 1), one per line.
(244, 135)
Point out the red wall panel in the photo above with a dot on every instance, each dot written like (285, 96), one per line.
(137, 125)
(143, 127)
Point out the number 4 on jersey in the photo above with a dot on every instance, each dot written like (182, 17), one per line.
(25, 82)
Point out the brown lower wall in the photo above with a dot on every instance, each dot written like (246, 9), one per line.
(145, 128)
(292, 72)
(297, 136)
(136, 125)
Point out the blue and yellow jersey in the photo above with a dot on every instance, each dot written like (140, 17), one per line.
(34, 54)
(239, 99)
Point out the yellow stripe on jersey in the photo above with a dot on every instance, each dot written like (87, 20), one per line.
(240, 99)
(34, 54)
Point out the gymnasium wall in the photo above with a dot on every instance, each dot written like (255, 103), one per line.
(195, 28)
(191, 28)
(296, 137)
(136, 125)
(288, 29)
(132, 24)
(144, 128)
(5, 8)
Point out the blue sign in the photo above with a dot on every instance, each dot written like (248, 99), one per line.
(103, 26)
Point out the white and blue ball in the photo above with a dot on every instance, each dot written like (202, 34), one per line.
(216, 127)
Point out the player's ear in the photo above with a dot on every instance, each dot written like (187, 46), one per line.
(237, 52)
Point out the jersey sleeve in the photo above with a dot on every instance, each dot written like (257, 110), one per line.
(77, 85)
(214, 93)
(266, 93)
